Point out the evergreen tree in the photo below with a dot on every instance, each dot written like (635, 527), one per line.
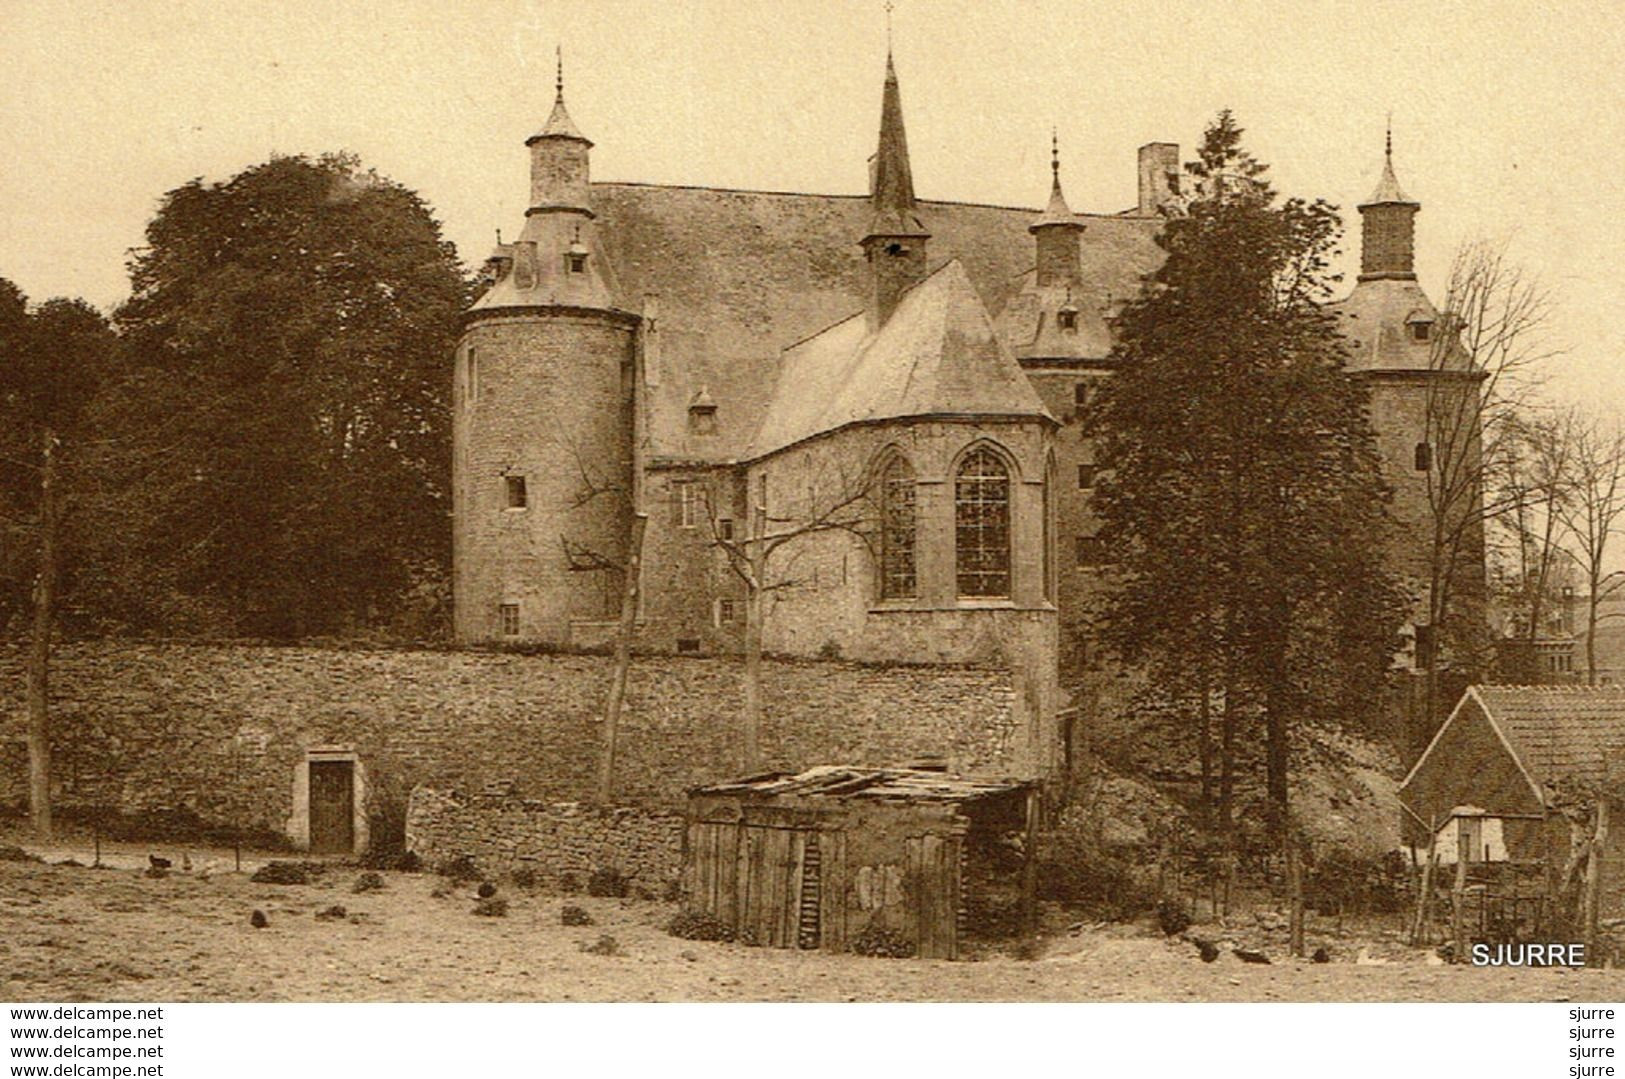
(1240, 490)
(287, 466)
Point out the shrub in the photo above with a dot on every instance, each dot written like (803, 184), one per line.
(1172, 916)
(1340, 882)
(569, 884)
(282, 873)
(335, 913)
(495, 907)
(17, 854)
(368, 882)
(461, 867)
(693, 925)
(573, 915)
(523, 877)
(604, 945)
(402, 861)
(885, 943)
(608, 883)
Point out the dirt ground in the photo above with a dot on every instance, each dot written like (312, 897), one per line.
(73, 933)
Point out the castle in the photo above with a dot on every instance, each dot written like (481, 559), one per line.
(882, 390)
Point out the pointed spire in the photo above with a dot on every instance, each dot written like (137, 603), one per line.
(891, 193)
(1057, 212)
(559, 125)
(1388, 189)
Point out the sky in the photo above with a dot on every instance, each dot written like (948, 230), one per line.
(1507, 118)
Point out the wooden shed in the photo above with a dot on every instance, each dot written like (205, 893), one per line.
(835, 856)
(1486, 783)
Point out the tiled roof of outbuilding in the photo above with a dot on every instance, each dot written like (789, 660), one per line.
(1559, 732)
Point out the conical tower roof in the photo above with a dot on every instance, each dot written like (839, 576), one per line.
(1057, 212)
(559, 125)
(1388, 191)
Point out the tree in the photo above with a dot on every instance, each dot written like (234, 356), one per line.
(1240, 484)
(1534, 482)
(291, 327)
(1484, 362)
(1591, 515)
(763, 557)
(52, 361)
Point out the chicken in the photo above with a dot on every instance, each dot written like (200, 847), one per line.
(158, 863)
(1207, 948)
(258, 920)
(487, 889)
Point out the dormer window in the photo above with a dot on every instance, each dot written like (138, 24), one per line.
(1067, 319)
(702, 414)
(575, 257)
(896, 249)
(1421, 331)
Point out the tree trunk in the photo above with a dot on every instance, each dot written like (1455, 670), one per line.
(1593, 877)
(623, 660)
(1205, 751)
(39, 651)
(750, 753)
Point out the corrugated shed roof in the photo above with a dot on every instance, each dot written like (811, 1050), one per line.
(1559, 732)
(741, 275)
(937, 354)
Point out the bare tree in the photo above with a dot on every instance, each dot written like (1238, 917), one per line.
(764, 560)
(1591, 514)
(1485, 362)
(1533, 482)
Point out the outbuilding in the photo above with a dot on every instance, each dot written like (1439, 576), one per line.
(848, 858)
(1493, 780)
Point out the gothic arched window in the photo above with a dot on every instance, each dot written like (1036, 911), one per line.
(897, 578)
(982, 524)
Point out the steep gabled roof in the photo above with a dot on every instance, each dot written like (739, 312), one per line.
(1375, 319)
(1559, 732)
(741, 275)
(937, 354)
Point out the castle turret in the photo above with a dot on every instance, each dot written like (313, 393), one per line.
(1388, 228)
(895, 244)
(1057, 231)
(541, 427)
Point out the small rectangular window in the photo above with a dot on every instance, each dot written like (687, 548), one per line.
(510, 619)
(1086, 477)
(1421, 331)
(688, 644)
(515, 486)
(1080, 394)
(578, 262)
(725, 528)
(726, 612)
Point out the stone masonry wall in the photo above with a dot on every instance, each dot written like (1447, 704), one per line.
(554, 840)
(223, 731)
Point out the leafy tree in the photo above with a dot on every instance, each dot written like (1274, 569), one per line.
(289, 454)
(52, 361)
(1240, 486)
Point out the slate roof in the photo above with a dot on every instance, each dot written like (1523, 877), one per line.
(937, 354)
(1388, 190)
(1374, 318)
(741, 275)
(1559, 732)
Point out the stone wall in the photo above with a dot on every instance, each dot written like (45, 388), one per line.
(557, 841)
(225, 732)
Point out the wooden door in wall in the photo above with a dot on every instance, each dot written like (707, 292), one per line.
(933, 885)
(332, 807)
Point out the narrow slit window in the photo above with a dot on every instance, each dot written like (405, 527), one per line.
(1423, 457)
(509, 616)
(514, 486)
(897, 576)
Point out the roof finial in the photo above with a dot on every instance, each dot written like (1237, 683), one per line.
(558, 84)
(1055, 155)
(889, 6)
(1388, 150)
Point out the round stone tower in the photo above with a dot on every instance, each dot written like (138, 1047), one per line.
(541, 468)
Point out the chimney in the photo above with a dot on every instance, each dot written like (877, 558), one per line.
(1159, 176)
